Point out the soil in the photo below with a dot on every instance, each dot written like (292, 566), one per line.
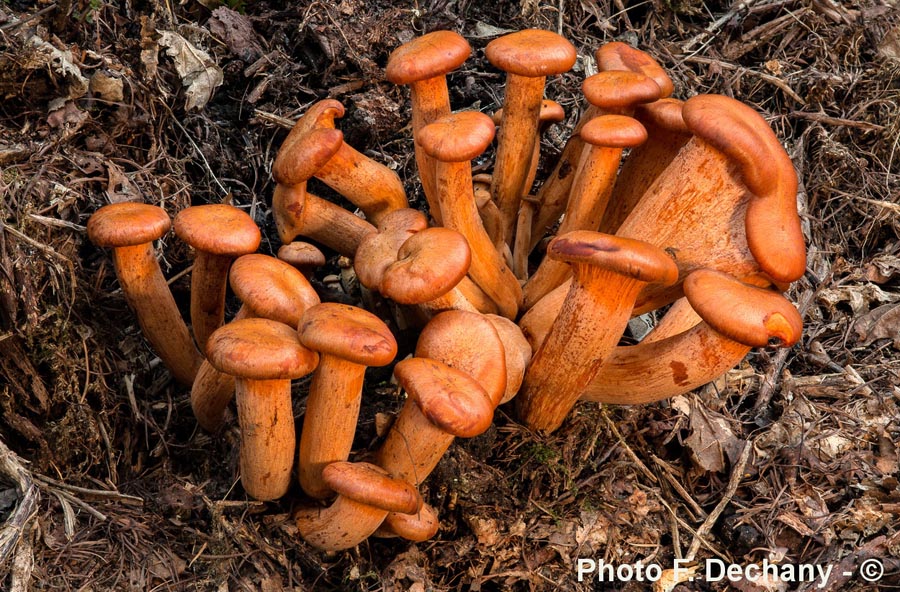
(108, 484)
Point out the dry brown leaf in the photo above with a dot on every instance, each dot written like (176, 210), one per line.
(107, 87)
(197, 70)
(860, 297)
(712, 441)
(237, 31)
(593, 531)
(881, 323)
(119, 187)
(882, 269)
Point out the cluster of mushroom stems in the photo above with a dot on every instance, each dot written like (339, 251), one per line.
(654, 204)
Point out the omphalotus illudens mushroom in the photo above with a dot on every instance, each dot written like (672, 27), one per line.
(129, 229)
(608, 274)
(423, 64)
(263, 356)
(365, 495)
(219, 233)
(348, 340)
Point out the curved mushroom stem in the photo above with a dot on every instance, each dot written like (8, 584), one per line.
(366, 493)
(733, 317)
(298, 212)
(148, 294)
(267, 436)
(210, 394)
(608, 275)
(457, 203)
(413, 446)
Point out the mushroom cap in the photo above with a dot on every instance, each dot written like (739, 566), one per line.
(219, 229)
(127, 224)
(301, 254)
(470, 343)
(619, 89)
(417, 527)
(378, 250)
(772, 224)
(517, 352)
(348, 333)
(429, 264)
(259, 349)
(428, 56)
(449, 398)
(371, 485)
(614, 131)
(629, 257)
(303, 153)
(271, 288)
(621, 56)
(532, 52)
(751, 315)
(664, 113)
(458, 137)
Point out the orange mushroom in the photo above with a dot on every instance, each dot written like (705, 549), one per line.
(608, 274)
(453, 141)
(219, 233)
(263, 356)
(348, 340)
(130, 229)
(527, 57)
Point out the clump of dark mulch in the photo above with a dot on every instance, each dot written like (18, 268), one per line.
(791, 457)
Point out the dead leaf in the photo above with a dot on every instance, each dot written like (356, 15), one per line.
(882, 269)
(197, 70)
(881, 323)
(859, 297)
(237, 31)
(58, 62)
(712, 441)
(107, 87)
(889, 48)
(149, 48)
(119, 187)
(593, 531)
(486, 530)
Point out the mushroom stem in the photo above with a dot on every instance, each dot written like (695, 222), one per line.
(148, 294)
(298, 212)
(329, 423)
(267, 436)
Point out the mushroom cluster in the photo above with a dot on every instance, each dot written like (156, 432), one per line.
(686, 208)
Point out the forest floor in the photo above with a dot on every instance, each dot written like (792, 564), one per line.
(108, 484)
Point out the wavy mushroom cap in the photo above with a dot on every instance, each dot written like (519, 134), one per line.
(751, 315)
(259, 349)
(303, 153)
(219, 229)
(428, 56)
(532, 52)
(620, 89)
(418, 527)
(621, 56)
(614, 131)
(371, 485)
(450, 399)
(664, 113)
(127, 224)
(470, 343)
(271, 288)
(349, 333)
(629, 257)
(772, 224)
(429, 264)
(301, 254)
(379, 250)
(458, 137)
